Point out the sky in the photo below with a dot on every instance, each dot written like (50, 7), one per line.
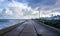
(28, 9)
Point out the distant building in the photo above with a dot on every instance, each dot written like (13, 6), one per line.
(56, 17)
(53, 18)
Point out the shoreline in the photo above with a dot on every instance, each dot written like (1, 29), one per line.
(3, 31)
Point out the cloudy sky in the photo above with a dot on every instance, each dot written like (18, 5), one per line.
(27, 9)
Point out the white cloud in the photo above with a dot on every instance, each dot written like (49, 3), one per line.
(1, 10)
(16, 10)
(2, 1)
(9, 12)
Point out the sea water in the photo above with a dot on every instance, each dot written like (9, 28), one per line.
(4, 23)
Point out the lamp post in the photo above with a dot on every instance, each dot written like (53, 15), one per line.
(52, 14)
(39, 12)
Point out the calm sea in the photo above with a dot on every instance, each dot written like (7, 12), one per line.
(4, 23)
